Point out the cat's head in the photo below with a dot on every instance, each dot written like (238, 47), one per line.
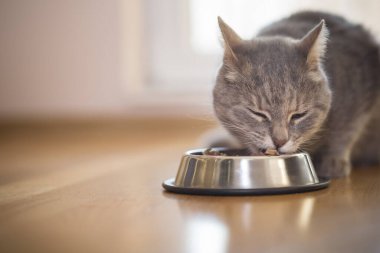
(272, 92)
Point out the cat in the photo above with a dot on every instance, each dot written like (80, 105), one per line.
(307, 82)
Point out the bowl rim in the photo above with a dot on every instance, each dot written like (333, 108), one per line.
(190, 153)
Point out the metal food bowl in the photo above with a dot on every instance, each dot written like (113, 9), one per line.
(237, 173)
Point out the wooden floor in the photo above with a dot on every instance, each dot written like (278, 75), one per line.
(96, 187)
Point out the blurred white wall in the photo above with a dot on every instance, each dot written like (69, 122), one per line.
(60, 58)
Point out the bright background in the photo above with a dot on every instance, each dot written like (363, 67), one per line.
(107, 58)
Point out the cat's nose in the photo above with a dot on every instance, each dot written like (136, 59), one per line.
(279, 142)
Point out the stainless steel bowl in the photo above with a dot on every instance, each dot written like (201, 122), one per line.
(238, 173)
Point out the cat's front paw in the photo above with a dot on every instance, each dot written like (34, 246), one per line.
(333, 167)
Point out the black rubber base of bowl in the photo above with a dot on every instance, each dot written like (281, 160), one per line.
(169, 186)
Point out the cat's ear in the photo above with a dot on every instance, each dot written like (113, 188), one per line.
(231, 40)
(313, 44)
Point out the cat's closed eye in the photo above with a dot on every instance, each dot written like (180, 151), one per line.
(259, 114)
(296, 116)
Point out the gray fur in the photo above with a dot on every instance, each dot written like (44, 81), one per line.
(294, 67)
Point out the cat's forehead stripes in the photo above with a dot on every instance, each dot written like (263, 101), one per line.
(255, 100)
(260, 101)
(274, 94)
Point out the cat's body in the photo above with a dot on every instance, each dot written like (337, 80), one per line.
(295, 87)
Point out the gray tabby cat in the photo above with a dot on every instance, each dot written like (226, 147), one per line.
(303, 85)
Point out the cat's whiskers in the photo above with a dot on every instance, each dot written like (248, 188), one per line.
(249, 138)
(244, 131)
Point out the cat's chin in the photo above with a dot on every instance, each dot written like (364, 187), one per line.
(254, 151)
(288, 151)
(262, 151)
